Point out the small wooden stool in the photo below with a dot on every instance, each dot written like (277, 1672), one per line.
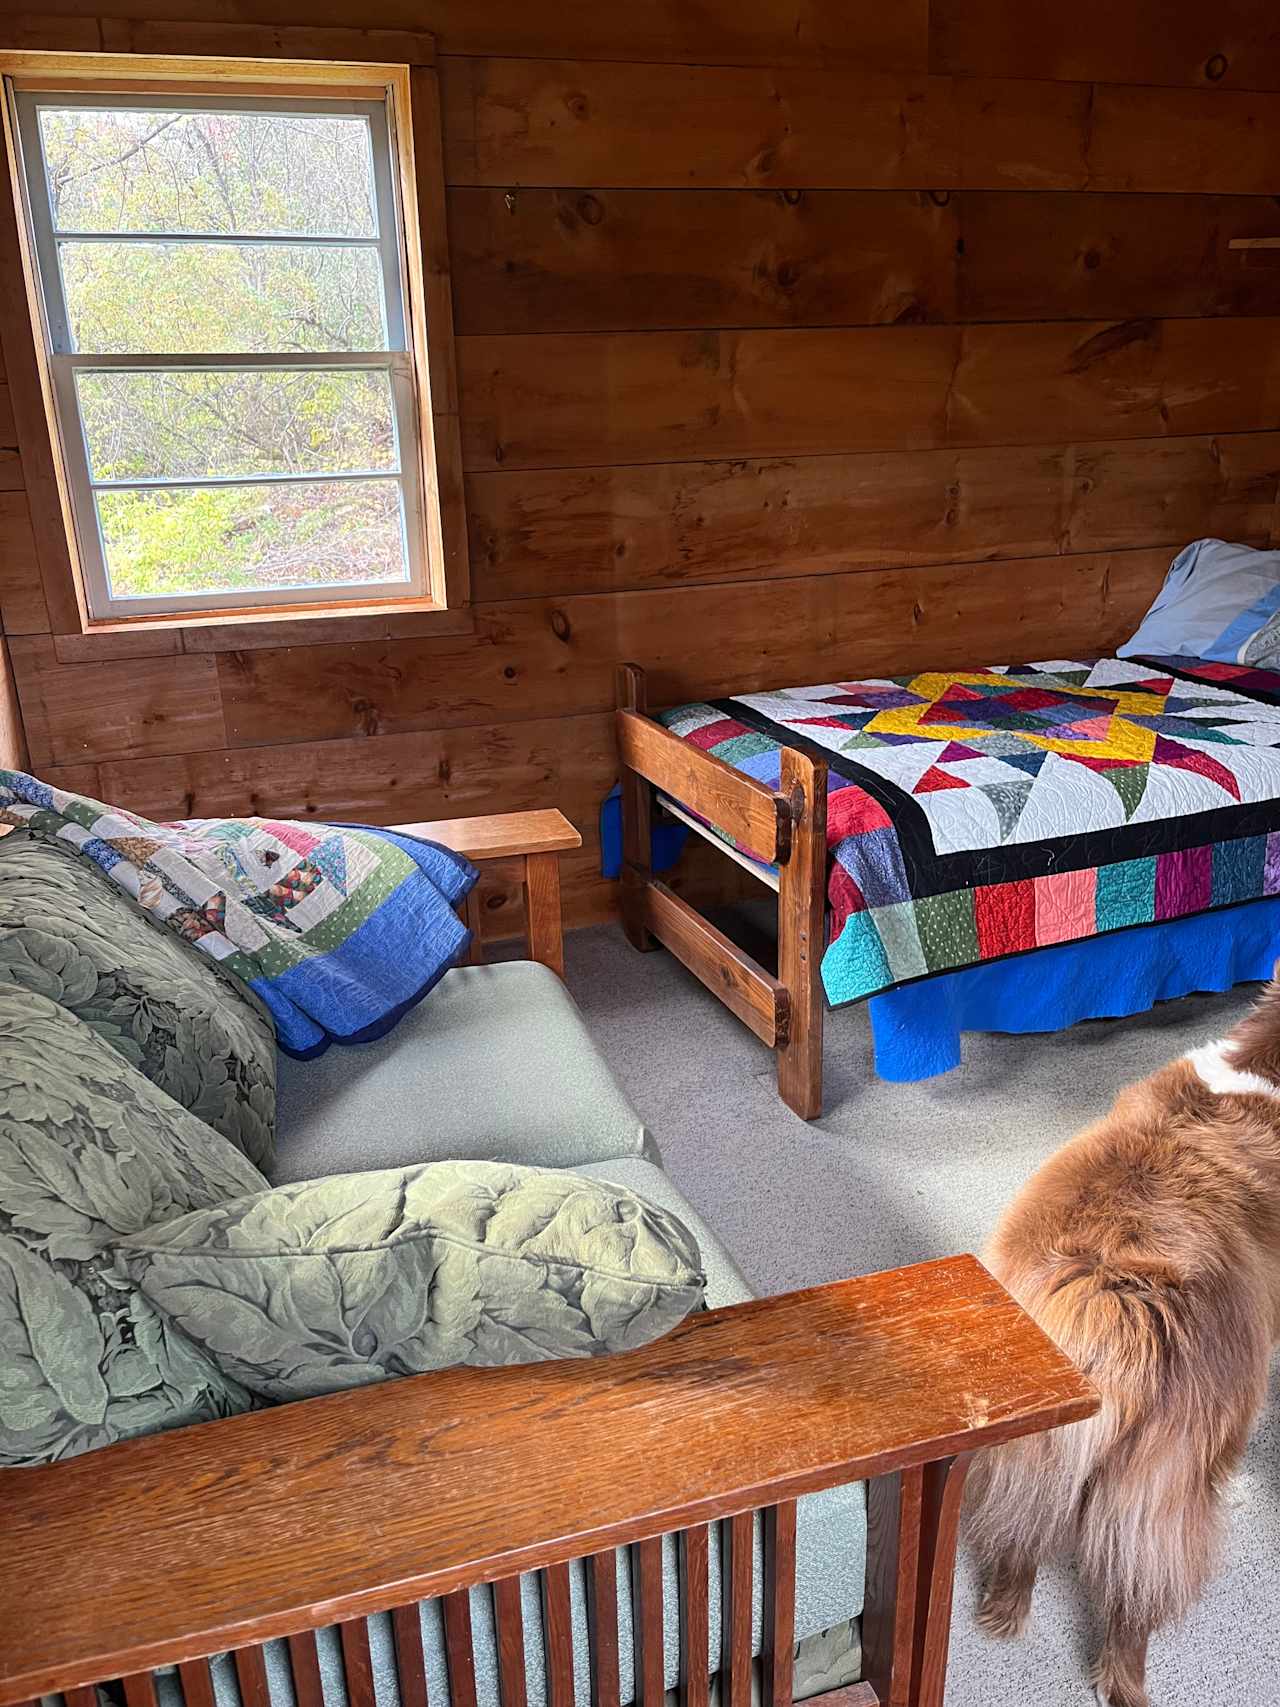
(538, 838)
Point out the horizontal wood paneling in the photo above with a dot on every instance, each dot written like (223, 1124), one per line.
(605, 260)
(1181, 139)
(542, 122)
(598, 529)
(301, 39)
(1135, 378)
(561, 400)
(542, 658)
(521, 121)
(1230, 44)
(748, 32)
(436, 773)
(1127, 495)
(598, 260)
(79, 713)
(67, 23)
(1067, 256)
(752, 32)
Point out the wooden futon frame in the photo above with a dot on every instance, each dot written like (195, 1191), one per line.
(173, 1547)
(787, 829)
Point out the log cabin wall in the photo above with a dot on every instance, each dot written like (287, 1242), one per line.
(795, 338)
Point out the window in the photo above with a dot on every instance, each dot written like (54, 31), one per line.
(225, 304)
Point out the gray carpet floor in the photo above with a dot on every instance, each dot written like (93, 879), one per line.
(896, 1174)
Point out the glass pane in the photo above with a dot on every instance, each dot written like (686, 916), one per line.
(117, 169)
(239, 539)
(212, 424)
(219, 298)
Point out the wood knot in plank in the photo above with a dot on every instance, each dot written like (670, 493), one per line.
(1110, 341)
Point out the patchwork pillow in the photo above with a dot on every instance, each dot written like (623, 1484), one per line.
(1218, 601)
(68, 933)
(332, 1283)
(91, 1151)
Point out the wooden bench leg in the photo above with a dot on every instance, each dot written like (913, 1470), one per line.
(889, 1601)
(802, 912)
(913, 1523)
(542, 910)
(637, 822)
(471, 917)
(935, 1580)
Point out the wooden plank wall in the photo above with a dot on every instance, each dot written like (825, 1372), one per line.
(796, 338)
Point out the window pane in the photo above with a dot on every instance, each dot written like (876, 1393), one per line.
(117, 169)
(219, 298)
(213, 424)
(238, 539)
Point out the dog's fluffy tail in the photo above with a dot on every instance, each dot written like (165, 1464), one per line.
(1181, 1364)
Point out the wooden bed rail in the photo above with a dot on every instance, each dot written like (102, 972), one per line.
(173, 1547)
(786, 827)
(751, 813)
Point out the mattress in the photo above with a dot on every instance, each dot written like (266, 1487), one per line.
(976, 814)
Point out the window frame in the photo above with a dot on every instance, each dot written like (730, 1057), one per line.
(65, 363)
(331, 66)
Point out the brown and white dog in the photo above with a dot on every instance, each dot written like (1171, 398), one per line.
(1148, 1248)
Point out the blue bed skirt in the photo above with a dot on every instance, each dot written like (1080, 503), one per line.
(916, 1028)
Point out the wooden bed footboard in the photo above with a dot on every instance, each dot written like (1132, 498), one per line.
(168, 1549)
(786, 828)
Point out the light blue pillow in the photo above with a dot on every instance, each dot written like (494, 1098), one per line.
(1219, 601)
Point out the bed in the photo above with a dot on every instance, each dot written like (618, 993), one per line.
(1009, 847)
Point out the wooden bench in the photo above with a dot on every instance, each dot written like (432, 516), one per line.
(538, 839)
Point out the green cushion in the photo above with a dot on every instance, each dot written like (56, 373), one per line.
(495, 1064)
(90, 1151)
(67, 932)
(725, 1282)
(332, 1283)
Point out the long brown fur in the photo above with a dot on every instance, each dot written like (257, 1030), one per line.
(1148, 1248)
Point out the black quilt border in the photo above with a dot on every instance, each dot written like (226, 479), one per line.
(930, 873)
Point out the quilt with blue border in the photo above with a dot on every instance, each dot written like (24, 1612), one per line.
(339, 928)
(974, 814)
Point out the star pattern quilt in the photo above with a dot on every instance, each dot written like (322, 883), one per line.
(973, 814)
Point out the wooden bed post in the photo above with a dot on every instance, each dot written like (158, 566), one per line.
(802, 912)
(637, 819)
(785, 828)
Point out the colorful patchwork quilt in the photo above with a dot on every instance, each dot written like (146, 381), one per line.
(973, 814)
(339, 929)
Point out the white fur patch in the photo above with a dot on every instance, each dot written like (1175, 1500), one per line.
(1209, 1063)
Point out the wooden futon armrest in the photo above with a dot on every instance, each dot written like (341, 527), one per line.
(537, 838)
(175, 1546)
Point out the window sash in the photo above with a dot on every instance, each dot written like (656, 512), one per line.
(64, 363)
